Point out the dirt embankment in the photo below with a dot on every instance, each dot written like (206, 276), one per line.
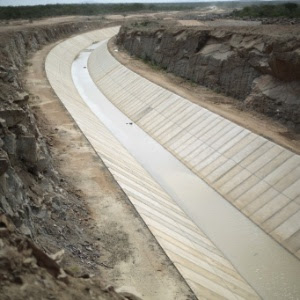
(257, 66)
(39, 215)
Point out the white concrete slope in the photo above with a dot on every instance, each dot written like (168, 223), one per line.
(247, 247)
(206, 270)
(257, 176)
(211, 275)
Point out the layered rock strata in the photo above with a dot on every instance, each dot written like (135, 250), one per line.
(260, 70)
(37, 211)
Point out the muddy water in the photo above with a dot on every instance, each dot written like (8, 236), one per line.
(271, 270)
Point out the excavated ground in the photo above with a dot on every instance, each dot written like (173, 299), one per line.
(253, 69)
(225, 106)
(63, 233)
(50, 242)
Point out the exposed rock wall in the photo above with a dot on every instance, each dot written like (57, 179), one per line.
(37, 211)
(263, 71)
(27, 176)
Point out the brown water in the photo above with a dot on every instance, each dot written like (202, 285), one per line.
(270, 269)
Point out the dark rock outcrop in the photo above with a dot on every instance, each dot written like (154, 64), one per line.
(262, 71)
(38, 212)
(25, 161)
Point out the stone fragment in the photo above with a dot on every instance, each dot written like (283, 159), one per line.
(10, 143)
(4, 164)
(25, 230)
(20, 129)
(44, 261)
(3, 72)
(12, 116)
(2, 68)
(21, 98)
(58, 256)
(2, 123)
(5, 222)
(7, 76)
(27, 148)
(5, 207)
(43, 162)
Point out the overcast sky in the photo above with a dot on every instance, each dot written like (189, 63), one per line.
(35, 2)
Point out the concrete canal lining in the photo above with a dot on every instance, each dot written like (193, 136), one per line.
(257, 176)
(179, 238)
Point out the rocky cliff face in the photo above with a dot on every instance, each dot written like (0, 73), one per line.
(262, 71)
(36, 209)
(28, 181)
(27, 177)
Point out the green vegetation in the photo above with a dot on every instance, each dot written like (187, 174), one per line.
(39, 11)
(288, 10)
(249, 9)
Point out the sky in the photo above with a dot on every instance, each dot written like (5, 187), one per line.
(35, 2)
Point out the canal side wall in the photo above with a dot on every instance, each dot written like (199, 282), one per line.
(257, 176)
(205, 269)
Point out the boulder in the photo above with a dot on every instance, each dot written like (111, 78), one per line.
(21, 98)
(27, 148)
(5, 207)
(12, 116)
(4, 164)
(10, 143)
(3, 127)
